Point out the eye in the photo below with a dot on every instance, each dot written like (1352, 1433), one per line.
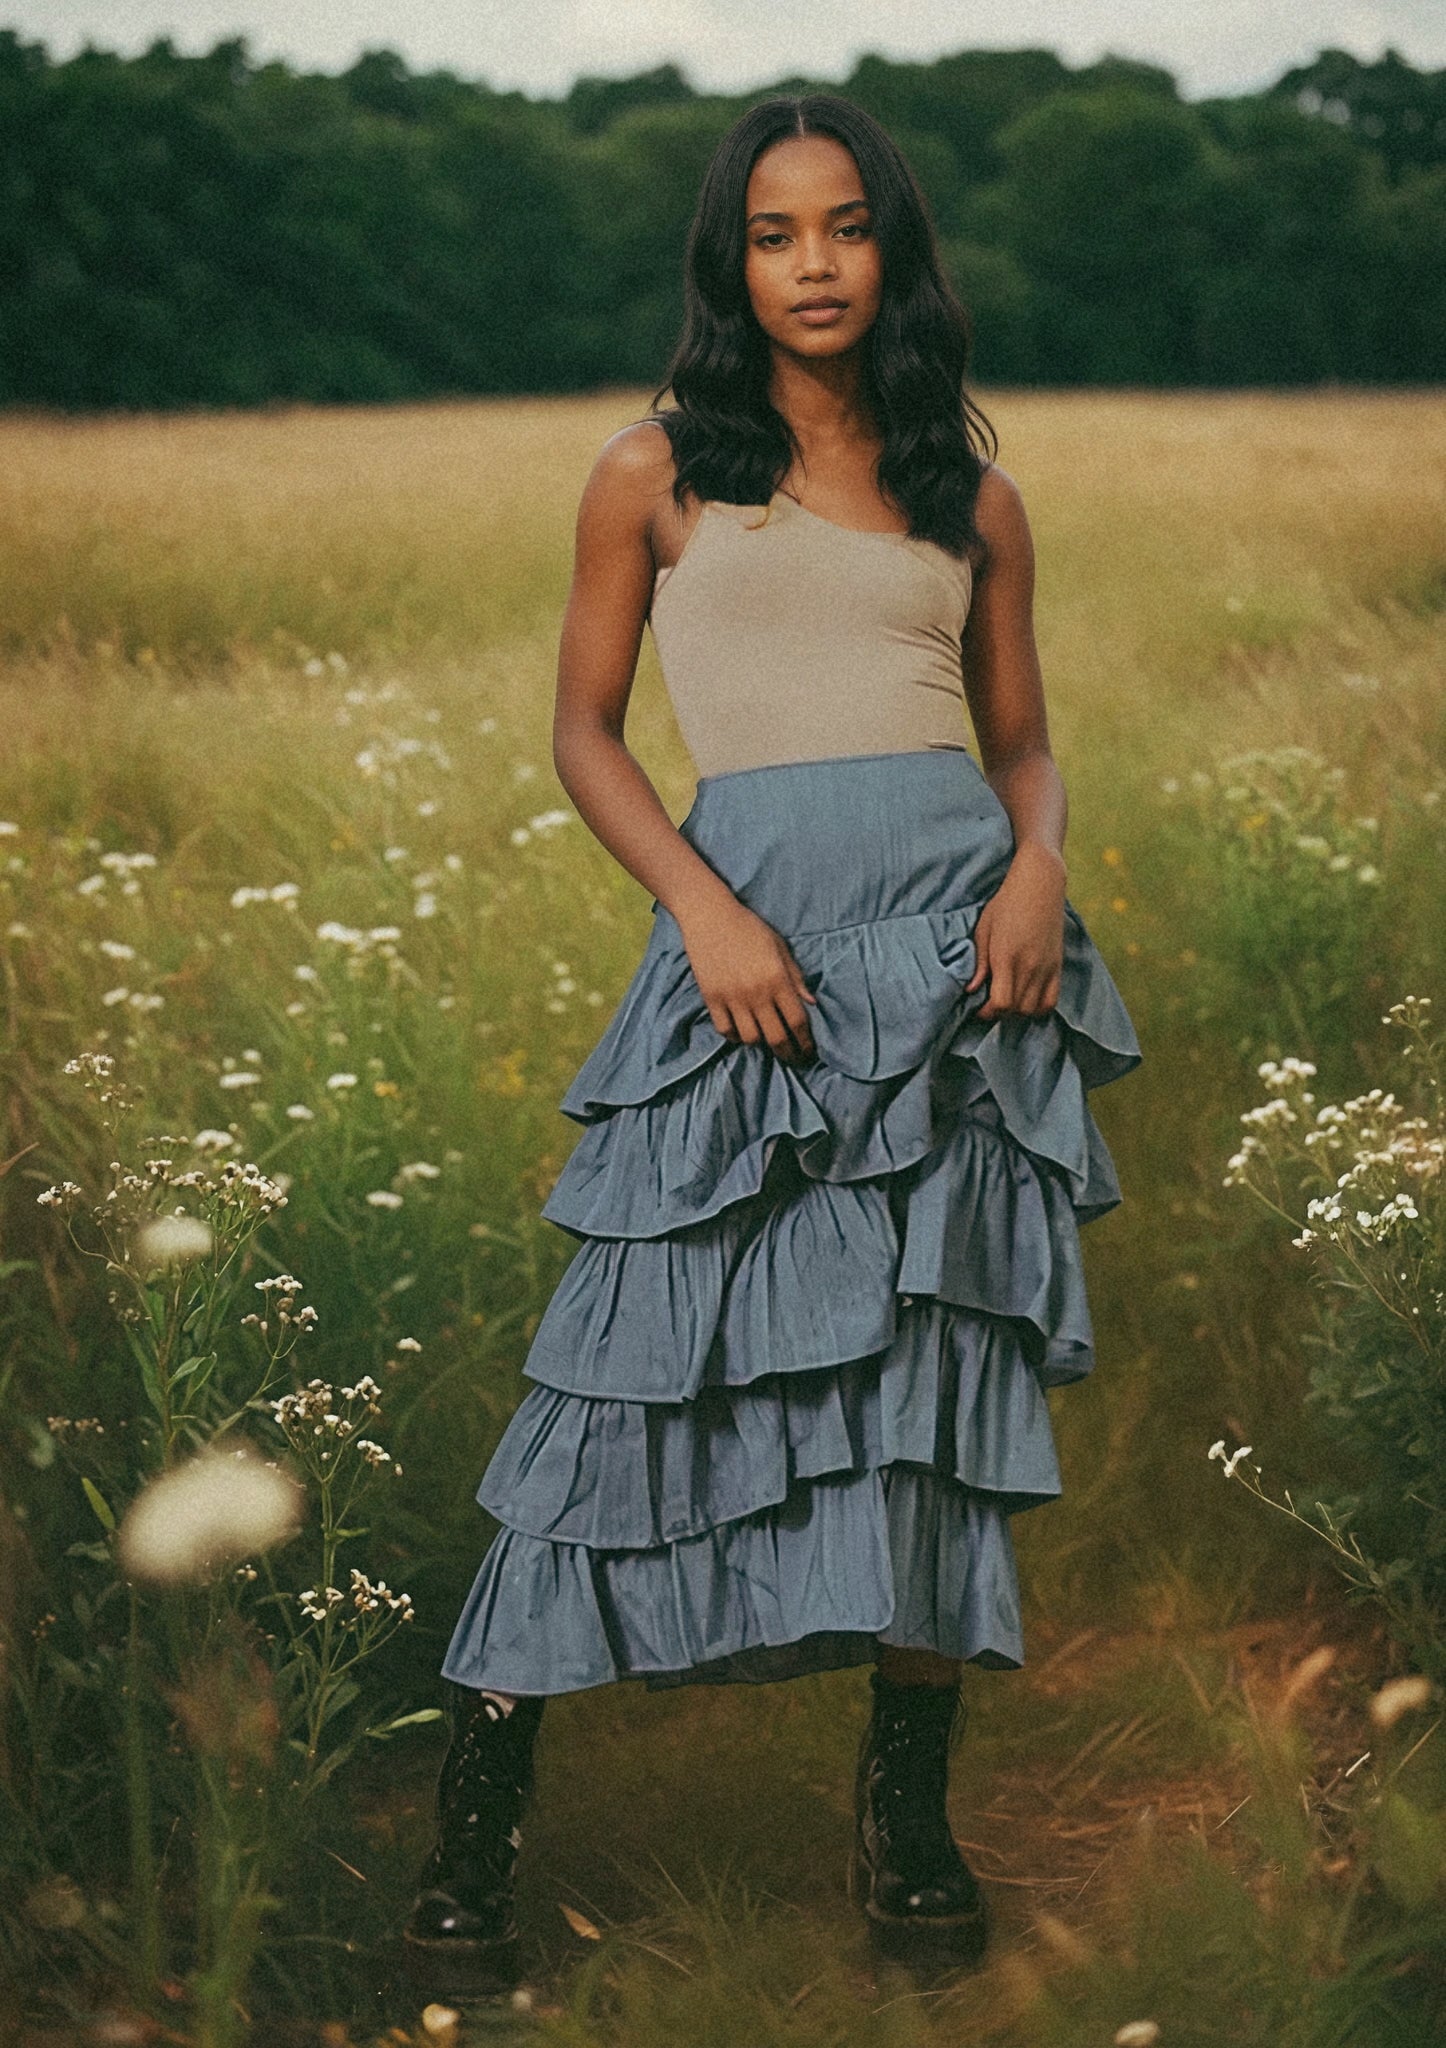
(774, 235)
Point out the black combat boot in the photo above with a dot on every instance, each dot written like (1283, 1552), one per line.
(461, 1937)
(920, 1898)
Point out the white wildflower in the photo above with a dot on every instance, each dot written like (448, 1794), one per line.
(1400, 1696)
(213, 1141)
(165, 1241)
(1277, 1111)
(214, 1509)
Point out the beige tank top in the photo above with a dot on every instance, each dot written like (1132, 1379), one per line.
(785, 637)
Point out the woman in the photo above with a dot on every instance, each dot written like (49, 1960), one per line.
(836, 1146)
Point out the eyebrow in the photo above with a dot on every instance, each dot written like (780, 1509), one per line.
(844, 206)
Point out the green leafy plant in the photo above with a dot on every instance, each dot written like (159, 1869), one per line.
(1293, 893)
(1376, 1232)
(223, 1507)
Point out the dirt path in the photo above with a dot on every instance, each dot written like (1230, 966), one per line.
(659, 1818)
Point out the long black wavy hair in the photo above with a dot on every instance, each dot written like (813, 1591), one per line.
(729, 441)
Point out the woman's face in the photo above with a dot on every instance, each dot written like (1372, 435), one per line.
(810, 237)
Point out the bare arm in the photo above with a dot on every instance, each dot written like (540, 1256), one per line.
(752, 986)
(602, 631)
(1020, 933)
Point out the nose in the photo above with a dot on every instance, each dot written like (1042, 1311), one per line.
(815, 258)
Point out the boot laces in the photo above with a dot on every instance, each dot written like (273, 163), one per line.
(907, 1777)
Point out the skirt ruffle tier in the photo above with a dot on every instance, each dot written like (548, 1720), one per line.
(791, 1387)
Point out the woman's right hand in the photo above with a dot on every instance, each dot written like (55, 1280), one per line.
(753, 986)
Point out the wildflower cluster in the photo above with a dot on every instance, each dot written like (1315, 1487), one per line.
(241, 1189)
(321, 1424)
(1283, 808)
(390, 752)
(172, 1267)
(280, 892)
(1377, 1159)
(284, 1287)
(380, 938)
(324, 1427)
(1291, 877)
(96, 1074)
(1375, 1225)
(124, 866)
(365, 1598)
(540, 827)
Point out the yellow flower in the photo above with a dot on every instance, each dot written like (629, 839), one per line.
(1112, 857)
(385, 1088)
(1119, 903)
(504, 1075)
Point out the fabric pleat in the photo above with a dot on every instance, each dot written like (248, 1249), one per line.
(792, 1384)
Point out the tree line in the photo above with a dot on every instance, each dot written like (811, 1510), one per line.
(212, 230)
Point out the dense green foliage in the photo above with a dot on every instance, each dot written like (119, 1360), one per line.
(180, 230)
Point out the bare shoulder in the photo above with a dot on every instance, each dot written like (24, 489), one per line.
(999, 508)
(633, 471)
(1001, 518)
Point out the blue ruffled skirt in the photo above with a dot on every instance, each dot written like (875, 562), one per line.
(791, 1387)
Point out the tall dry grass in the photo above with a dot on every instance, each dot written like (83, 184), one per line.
(206, 622)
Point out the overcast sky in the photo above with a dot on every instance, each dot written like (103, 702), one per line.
(1212, 46)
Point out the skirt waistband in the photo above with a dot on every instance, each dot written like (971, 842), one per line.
(812, 845)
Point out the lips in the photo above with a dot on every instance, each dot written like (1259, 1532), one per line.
(819, 305)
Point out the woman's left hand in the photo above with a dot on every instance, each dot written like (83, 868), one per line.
(1020, 935)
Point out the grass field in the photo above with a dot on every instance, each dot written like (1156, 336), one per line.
(301, 663)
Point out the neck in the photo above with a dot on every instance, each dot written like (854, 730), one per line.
(823, 400)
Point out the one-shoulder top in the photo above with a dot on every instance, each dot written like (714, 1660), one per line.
(784, 637)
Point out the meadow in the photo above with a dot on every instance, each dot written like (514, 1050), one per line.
(288, 884)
